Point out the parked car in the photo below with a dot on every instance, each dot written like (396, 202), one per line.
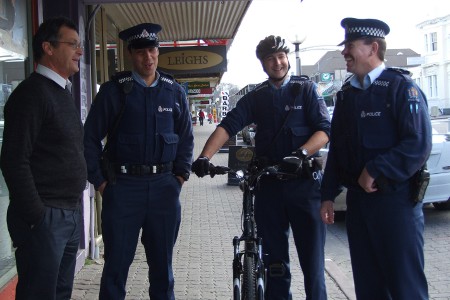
(438, 191)
(248, 134)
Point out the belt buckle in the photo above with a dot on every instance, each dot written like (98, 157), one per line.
(143, 170)
(123, 170)
(154, 169)
(135, 170)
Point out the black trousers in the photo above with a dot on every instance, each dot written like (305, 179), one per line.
(46, 254)
(147, 204)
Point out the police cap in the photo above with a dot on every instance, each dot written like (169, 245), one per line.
(360, 28)
(141, 36)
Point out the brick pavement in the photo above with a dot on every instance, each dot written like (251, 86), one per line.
(211, 212)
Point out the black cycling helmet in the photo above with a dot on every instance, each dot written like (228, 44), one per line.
(269, 45)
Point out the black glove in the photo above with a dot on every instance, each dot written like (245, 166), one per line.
(291, 164)
(299, 153)
(201, 166)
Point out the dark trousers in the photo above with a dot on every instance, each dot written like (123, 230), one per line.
(149, 203)
(385, 234)
(294, 204)
(201, 121)
(46, 258)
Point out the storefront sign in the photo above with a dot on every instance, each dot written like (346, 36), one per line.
(198, 85)
(179, 60)
(200, 91)
(224, 103)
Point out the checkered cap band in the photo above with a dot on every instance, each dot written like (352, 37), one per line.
(371, 31)
(143, 35)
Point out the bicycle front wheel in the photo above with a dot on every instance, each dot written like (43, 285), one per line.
(249, 278)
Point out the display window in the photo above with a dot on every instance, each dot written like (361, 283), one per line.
(13, 55)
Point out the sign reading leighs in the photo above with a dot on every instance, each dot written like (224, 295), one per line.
(179, 60)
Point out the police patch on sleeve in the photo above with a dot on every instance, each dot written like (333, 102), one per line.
(413, 97)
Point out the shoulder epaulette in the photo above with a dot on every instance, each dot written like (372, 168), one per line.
(124, 80)
(399, 70)
(262, 85)
(166, 77)
(301, 78)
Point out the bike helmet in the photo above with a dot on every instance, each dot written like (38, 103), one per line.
(269, 45)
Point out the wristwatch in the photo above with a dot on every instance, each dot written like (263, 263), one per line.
(304, 152)
(185, 176)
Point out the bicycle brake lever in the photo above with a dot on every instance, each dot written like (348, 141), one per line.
(218, 170)
(272, 170)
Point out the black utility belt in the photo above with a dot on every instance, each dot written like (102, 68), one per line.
(142, 170)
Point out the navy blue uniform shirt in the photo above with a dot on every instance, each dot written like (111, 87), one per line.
(155, 128)
(268, 107)
(385, 128)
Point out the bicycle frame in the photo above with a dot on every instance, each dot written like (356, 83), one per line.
(248, 267)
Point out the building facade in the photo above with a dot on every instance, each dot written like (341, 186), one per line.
(433, 76)
(330, 71)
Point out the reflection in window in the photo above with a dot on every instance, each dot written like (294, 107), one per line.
(13, 51)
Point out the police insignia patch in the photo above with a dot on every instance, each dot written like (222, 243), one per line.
(412, 94)
(145, 34)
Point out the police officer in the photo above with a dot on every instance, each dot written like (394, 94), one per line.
(380, 138)
(146, 116)
(291, 117)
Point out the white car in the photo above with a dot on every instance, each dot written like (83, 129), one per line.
(438, 191)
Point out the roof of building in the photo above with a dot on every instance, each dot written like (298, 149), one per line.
(333, 60)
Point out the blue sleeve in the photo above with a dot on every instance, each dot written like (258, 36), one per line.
(240, 116)
(317, 112)
(331, 182)
(102, 113)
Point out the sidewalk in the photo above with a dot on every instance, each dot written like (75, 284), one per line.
(211, 212)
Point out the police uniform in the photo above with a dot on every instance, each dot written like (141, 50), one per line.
(385, 128)
(152, 143)
(280, 204)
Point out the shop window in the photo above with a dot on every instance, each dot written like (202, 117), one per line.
(13, 52)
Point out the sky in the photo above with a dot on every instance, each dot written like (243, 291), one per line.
(319, 21)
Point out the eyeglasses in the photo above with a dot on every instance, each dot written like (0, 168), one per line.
(73, 45)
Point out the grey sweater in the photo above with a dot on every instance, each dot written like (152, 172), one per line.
(42, 155)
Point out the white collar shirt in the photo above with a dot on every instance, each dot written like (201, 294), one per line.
(52, 75)
(369, 78)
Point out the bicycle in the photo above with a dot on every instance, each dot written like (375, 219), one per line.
(248, 265)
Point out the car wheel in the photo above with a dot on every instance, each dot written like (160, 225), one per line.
(442, 205)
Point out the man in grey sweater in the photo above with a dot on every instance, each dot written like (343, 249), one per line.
(43, 165)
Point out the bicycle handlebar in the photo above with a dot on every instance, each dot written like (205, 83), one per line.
(274, 170)
(218, 170)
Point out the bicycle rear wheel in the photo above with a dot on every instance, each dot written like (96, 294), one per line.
(249, 278)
